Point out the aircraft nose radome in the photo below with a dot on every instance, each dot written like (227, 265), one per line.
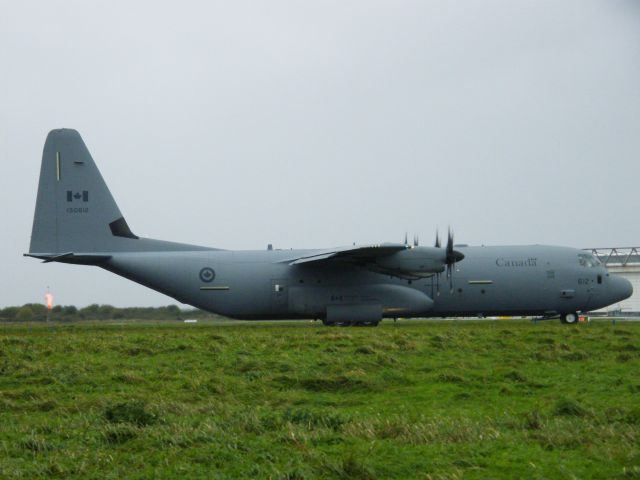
(622, 288)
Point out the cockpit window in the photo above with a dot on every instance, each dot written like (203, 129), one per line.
(588, 260)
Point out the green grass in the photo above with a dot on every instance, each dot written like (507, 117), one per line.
(494, 399)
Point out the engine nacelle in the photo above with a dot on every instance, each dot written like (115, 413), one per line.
(414, 262)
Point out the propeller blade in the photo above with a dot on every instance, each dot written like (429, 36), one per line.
(452, 257)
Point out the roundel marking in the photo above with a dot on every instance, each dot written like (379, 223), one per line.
(207, 274)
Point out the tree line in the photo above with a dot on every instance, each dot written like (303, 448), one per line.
(36, 312)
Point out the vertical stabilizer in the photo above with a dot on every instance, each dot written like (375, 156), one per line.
(75, 211)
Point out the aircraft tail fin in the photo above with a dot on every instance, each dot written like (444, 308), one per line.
(75, 211)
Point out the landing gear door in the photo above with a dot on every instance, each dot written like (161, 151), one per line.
(279, 295)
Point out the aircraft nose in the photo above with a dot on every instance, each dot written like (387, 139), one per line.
(621, 288)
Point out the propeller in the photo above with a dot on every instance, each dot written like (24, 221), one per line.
(416, 240)
(451, 258)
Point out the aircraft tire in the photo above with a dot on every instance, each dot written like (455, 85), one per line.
(336, 324)
(569, 318)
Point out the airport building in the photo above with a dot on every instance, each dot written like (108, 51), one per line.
(626, 263)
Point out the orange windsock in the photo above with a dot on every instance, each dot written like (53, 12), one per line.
(49, 298)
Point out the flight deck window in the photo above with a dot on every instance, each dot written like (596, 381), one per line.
(588, 260)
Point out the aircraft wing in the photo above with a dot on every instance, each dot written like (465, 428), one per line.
(355, 254)
(395, 259)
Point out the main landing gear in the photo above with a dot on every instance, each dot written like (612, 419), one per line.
(569, 318)
(350, 324)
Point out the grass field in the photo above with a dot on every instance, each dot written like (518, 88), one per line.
(441, 399)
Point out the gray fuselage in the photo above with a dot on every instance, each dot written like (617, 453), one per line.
(510, 280)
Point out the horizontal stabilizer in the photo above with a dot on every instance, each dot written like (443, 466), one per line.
(70, 257)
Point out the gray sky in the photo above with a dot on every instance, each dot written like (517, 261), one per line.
(322, 123)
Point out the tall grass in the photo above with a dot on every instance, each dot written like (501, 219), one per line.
(298, 400)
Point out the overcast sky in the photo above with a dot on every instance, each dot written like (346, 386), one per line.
(320, 123)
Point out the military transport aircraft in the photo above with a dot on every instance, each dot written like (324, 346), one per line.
(77, 221)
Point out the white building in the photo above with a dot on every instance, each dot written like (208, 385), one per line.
(626, 263)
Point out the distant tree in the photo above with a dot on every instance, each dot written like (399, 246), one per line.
(37, 308)
(69, 313)
(9, 313)
(24, 314)
(38, 311)
(105, 312)
(90, 311)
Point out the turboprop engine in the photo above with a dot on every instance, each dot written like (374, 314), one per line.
(415, 262)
